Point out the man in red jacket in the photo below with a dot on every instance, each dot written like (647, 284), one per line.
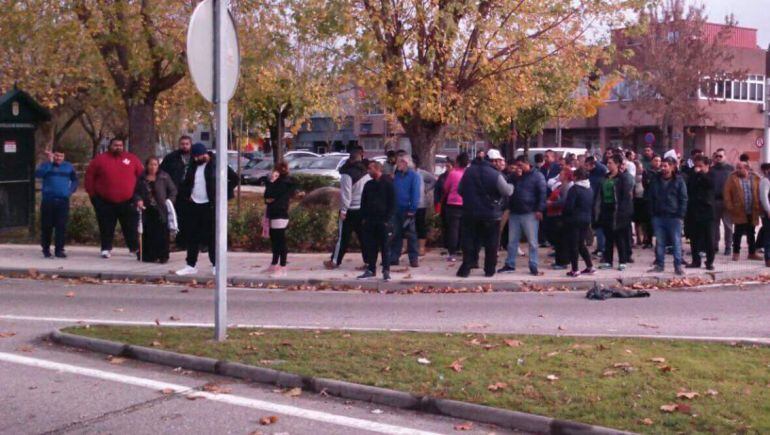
(110, 182)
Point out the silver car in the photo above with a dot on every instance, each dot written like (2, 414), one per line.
(328, 165)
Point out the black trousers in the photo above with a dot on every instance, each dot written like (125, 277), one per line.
(575, 242)
(108, 214)
(702, 240)
(377, 242)
(556, 236)
(741, 230)
(200, 232)
(155, 239)
(351, 224)
(454, 218)
(477, 233)
(421, 223)
(278, 245)
(182, 208)
(54, 214)
(616, 238)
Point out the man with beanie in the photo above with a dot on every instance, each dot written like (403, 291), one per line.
(59, 182)
(199, 189)
(378, 203)
(353, 177)
(110, 182)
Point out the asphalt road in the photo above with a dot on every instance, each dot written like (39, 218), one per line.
(53, 389)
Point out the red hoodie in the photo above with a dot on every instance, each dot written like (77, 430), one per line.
(113, 178)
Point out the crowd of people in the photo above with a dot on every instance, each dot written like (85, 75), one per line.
(569, 203)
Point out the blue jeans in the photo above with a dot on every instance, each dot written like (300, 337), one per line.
(399, 232)
(600, 239)
(668, 232)
(518, 224)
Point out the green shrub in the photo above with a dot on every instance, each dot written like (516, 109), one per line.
(82, 228)
(311, 229)
(245, 228)
(309, 183)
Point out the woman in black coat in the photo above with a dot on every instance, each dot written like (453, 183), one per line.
(278, 192)
(152, 190)
(577, 216)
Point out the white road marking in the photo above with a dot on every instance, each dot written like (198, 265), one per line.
(183, 390)
(73, 320)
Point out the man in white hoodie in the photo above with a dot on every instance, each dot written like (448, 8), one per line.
(353, 177)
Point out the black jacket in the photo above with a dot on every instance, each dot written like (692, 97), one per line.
(175, 167)
(718, 175)
(280, 191)
(210, 174)
(578, 207)
(667, 199)
(479, 188)
(701, 197)
(623, 209)
(164, 189)
(378, 201)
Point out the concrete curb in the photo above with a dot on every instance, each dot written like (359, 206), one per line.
(405, 286)
(381, 396)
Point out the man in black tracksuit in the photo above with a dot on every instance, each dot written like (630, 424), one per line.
(484, 190)
(176, 164)
(378, 205)
(353, 177)
(699, 222)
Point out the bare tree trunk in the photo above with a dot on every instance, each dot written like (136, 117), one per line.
(142, 133)
(425, 137)
(59, 132)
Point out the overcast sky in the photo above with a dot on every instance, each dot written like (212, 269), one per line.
(749, 13)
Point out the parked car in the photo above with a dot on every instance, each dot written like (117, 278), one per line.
(326, 165)
(259, 172)
(292, 155)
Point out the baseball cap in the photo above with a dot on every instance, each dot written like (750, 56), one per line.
(198, 149)
(494, 154)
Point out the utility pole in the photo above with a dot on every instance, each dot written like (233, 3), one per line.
(220, 115)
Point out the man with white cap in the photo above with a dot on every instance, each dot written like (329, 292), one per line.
(484, 191)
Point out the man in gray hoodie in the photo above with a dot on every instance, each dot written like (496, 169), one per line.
(353, 177)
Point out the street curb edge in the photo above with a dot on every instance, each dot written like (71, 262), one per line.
(382, 396)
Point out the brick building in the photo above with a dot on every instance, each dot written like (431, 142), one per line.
(735, 117)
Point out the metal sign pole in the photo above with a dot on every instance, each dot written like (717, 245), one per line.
(220, 122)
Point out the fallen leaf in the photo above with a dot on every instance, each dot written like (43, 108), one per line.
(649, 325)
(266, 421)
(658, 360)
(552, 378)
(294, 392)
(70, 294)
(609, 373)
(647, 422)
(683, 408)
(550, 354)
(115, 359)
(561, 328)
(423, 361)
(457, 365)
(711, 392)
(217, 389)
(193, 397)
(497, 386)
(513, 343)
(167, 391)
(377, 411)
(464, 426)
(157, 322)
(256, 334)
(174, 318)
(156, 344)
(687, 395)
(665, 368)
(25, 348)
(629, 351)
(7, 334)
(671, 407)
(622, 365)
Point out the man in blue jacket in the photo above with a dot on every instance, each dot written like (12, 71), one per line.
(667, 196)
(59, 182)
(407, 186)
(526, 206)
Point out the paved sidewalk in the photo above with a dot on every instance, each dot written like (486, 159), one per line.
(307, 269)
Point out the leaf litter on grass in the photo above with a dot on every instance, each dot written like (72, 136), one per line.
(388, 360)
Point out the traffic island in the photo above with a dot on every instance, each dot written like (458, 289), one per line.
(639, 385)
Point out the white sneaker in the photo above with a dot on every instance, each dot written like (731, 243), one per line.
(187, 270)
(279, 272)
(520, 252)
(214, 270)
(106, 254)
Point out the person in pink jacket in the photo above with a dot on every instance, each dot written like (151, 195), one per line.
(454, 206)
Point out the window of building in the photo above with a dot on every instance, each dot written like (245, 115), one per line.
(371, 143)
(366, 128)
(752, 89)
